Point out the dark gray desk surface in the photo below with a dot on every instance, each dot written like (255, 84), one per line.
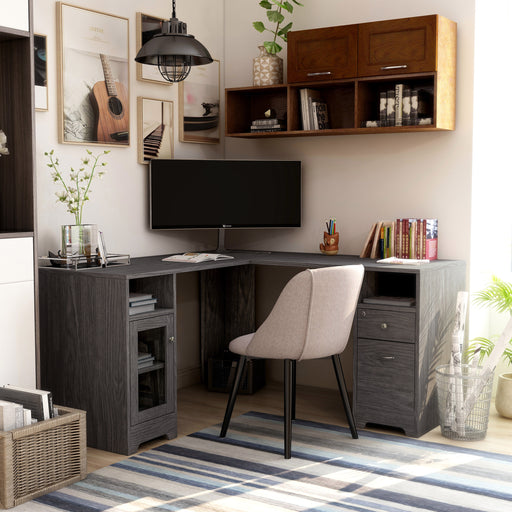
(154, 266)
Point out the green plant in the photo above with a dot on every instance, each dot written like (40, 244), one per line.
(498, 297)
(275, 15)
(76, 191)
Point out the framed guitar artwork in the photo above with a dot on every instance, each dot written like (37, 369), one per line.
(93, 77)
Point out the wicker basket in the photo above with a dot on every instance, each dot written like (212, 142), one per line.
(43, 457)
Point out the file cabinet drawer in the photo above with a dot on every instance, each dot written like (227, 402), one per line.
(389, 325)
(385, 383)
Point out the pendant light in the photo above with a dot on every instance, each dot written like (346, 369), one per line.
(173, 50)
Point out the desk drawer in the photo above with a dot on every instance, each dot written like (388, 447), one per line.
(385, 382)
(386, 324)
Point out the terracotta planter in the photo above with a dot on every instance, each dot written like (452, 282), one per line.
(267, 68)
(504, 395)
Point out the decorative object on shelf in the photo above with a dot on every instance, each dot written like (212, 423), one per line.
(498, 297)
(40, 73)
(79, 240)
(331, 239)
(173, 50)
(267, 68)
(3, 144)
(199, 99)
(93, 76)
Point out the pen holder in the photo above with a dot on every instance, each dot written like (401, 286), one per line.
(330, 245)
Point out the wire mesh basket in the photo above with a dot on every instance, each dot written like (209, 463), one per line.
(463, 400)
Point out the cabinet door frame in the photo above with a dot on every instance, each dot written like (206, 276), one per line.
(165, 322)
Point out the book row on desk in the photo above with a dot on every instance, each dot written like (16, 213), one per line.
(140, 303)
(313, 110)
(20, 407)
(403, 106)
(402, 238)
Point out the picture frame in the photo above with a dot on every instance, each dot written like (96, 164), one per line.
(40, 73)
(155, 123)
(93, 76)
(147, 27)
(199, 97)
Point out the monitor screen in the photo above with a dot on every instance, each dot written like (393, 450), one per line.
(187, 194)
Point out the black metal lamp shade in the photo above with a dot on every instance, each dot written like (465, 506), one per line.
(174, 51)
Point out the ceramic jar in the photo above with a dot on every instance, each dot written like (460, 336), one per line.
(267, 68)
(503, 401)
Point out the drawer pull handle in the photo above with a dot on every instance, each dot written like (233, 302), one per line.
(384, 326)
(320, 73)
(401, 66)
(388, 358)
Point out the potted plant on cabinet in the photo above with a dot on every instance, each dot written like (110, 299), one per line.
(268, 66)
(498, 297)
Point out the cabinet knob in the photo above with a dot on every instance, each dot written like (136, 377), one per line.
(384, 326)
(363, 314)
(171, 339)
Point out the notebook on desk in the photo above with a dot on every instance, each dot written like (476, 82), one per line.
(197, 257)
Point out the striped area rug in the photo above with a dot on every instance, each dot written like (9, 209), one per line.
(329, 471)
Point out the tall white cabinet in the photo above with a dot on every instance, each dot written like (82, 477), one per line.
(18, 300)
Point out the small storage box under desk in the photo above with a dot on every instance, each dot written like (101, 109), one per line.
(43, 457)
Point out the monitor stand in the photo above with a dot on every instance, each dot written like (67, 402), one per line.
(221, 248)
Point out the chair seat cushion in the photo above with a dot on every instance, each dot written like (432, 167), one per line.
(239, 345)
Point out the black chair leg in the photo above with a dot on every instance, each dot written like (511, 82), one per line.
(232, 396)
(288, 399)
(336, 361)
(294, 387)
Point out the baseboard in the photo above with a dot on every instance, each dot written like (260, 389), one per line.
(189, 377)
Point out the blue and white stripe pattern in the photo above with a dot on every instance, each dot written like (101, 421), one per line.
(328, 471)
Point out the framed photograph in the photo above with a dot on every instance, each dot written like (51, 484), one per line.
(199, 104)
(147, 27)
(93, 77)
(155, 129)
(40, 73)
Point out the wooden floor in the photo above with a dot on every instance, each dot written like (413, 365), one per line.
(199, 408)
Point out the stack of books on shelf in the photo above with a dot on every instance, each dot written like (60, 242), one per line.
(314, 110)
(402, 238)
(20, 407)
(268, 125)
(141, 303)
(145, 359)
(403, 106)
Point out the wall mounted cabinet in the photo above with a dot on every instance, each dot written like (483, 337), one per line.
(17, 193)
(350, 66)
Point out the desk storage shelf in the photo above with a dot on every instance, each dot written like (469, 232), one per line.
(350, 65)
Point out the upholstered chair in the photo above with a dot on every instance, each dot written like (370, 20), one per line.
(311, 319)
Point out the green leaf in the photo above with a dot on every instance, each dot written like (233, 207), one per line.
(288, 6)
(275, 16)
(272, 47)
(285, 30)
(297, 3)
(258, 25)
(266, 4)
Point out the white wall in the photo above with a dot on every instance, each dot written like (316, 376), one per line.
(119, 201)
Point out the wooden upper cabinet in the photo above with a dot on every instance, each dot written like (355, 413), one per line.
(322, 54)
(407, 45)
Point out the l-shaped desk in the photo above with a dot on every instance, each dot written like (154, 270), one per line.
(120, 367)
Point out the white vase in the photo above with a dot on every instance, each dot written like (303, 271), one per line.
(504, 395)
(267, 68)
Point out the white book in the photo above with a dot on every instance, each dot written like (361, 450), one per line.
(197, 257)
(9, 415)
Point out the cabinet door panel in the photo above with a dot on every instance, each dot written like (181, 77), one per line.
(386, 324)
(16, 260)
(14, 14)
(397, 46)
(17, 346)
(385, 383)
(322, 54)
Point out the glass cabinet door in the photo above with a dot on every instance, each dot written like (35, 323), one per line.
(152, 353)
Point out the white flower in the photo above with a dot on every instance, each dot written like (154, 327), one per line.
(3, 144)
